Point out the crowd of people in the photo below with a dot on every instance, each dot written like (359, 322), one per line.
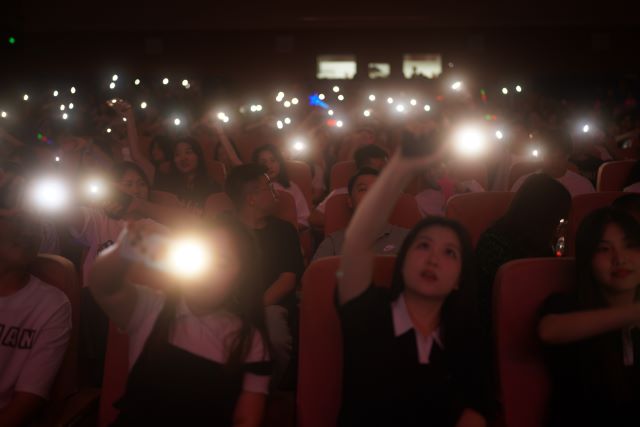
(209, 342)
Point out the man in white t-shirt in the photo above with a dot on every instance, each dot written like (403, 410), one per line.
(556, 147)
(35, 326)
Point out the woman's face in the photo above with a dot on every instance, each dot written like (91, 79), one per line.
(616, 262)
(134, 185)
(269, 161)
(433, 263)
(185, 158)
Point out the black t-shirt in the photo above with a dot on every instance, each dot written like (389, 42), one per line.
(280, 249)
(591, 386)
(383, 382)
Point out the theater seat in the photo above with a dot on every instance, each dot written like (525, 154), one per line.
(612, 176)
(519, 290)
(320, 353)
(340, 174)
(338, 214)
(581, 206)
(300, 173)
(524, 168)
(467, 170)
(478, 211)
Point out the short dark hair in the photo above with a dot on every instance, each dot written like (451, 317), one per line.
(239, 178)
(361, 172)
(119, 169)
(368, 152)
(554, 139)
(628, 203)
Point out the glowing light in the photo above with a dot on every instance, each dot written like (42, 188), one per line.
(55, 93)
(287, 104)
(112, 85)
(177, 121)
(71, 106)
(389, 100)
(372, 97)
(470, 141)
(165, 81)
(280, 97)
(367, 113)
(330, 112)
(3, 114)
(65, 116)
(585, 129)
(287, 120)
(143, 105)
(499, 134)
(535, 153)
(295, 101)
(114, 78)
(299, 146)
(518, 88)
(400, 108)
(279, 124)
(49, 194)
(124, 119)
(12, 40)
(456, 86)
(427, 107)
(258, 107)
(336, 89)
(340, 97)
(57, 159)
(62, 107)
(188, 258)
(113, 101)
(136, 82)
(185, 83)
(25, 97)
(413, 102)
(108, 130)
(505, 91)
(339, 123)
(321, 97)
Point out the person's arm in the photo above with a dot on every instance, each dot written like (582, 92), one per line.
(249, 410)
(21, 409)
(369, 220)
(166, 215)
(6, 136)
(283, 286)
(581, 325)
(471, 418)
(226, 144)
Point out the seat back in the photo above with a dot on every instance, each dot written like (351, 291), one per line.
(338, 214)
(612, 176)
(467, 170)
(581, 206)
(320, 354)
(520, 169)
(300, 173)
(340, 174)
(478, 211)
(519, 290)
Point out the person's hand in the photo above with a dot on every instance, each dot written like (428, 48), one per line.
(122, 107)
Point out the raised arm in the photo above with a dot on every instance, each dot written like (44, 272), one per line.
(226, 144)
(125, 110)
(369, 220)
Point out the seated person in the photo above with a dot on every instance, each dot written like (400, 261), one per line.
(35, 326)
(591, 334)
(527, 230)
(406, 348)
(556, 147)
(389, 241)
(254, 197)
(372, 156)
(197, 352)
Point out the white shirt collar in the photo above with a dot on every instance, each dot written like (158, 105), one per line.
(402, 324)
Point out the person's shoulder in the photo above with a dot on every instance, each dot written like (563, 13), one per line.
(337, 235)
(47, 297)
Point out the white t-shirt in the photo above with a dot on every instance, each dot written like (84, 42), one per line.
(431, 202)
(204, 336)
(633, 188)
(323, 204)
(302, 208)
(98, 232)
(35, 326)
(574, 183)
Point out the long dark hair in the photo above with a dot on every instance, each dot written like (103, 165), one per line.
(283, 176)
(589, 292)
(202, 185)
(534, 214)
(459, 315)
(165, 144)
(245, 300)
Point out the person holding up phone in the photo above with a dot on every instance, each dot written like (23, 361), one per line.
(197, 350)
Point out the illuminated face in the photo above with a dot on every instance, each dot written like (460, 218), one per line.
(185, 158)
(269, 161)
(433, 263)
(134, 185)
(616, 263)
(360, 188)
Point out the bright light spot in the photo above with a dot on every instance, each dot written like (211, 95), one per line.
(113, 101)
(505, 91)
(372, 97)
(72, 90)
(287, 104)
(427, 107)
(188, 258)
(535, 153)
(279, 124)
(55, 93)
(253, 108)
(518, 88)
(124, 119)
(108, 130)
(400, 108)
(330, 112)
(143, 105)
(258, 107)
(287, 121)
(339, 123)
(3, 114)
(321, 97)
(185, 83)
(340, 97)
(50, 194)
(114, 78)
(280, 97)
(57, 159)
(136, 82)
(585, 128)
(413, 102)
(176, 121)
(389, 100)
(65, 116)
(499, 134)
(336, 89)
(299, 146)
(71, 106)
(456, 85)
(367, 113)
(25, 97)
(470, 141)
(165, 81)
(112, 85)
(62, 107)
(295, 101)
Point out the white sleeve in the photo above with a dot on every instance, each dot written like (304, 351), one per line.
(518, 183)
(323, 204)
(252, 382)
(302, 208)
(47, 353)
(87, 234)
